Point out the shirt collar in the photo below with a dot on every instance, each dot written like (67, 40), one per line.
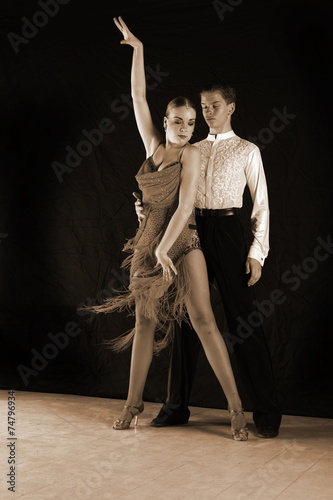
(218, 137)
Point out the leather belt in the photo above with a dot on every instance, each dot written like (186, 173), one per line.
(219, 212)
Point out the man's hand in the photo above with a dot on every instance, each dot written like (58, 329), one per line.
(138, 207)
(253, 267)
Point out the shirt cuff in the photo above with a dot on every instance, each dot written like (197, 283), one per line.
(254, 253)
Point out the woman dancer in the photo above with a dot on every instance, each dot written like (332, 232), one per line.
(168, 276)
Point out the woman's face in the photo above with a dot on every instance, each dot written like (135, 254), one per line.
(179, 125)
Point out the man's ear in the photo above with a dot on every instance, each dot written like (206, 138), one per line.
(164, 122)
(232, 107)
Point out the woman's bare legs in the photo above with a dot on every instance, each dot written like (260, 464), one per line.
(141, 358)
(203, 321)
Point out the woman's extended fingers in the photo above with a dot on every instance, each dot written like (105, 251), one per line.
(167, 267)
(122, 27)
(129, 38)
(167, 272)
(120, 24)
(117, 23)
(173, 267)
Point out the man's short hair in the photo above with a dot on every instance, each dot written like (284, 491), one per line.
(227, 91)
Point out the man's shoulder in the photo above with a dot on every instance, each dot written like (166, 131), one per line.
(199, 143)
(201, 146)
(247, 146)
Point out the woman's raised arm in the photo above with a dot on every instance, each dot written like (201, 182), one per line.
(149, 134)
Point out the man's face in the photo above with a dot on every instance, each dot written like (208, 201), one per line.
(216, 112)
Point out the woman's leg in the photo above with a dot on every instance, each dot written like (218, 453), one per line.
(141, 358)
(202, 318)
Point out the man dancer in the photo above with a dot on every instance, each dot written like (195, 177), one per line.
(229, 163)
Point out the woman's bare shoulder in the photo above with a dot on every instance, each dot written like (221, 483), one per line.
(191, 152)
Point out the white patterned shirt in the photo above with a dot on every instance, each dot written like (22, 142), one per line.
(228, 164)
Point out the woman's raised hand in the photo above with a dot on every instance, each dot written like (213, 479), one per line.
(129, 38)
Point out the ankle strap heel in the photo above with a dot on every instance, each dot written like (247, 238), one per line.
(239, 429)
(134, 411)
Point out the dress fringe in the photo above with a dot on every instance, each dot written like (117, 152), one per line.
(163, 302)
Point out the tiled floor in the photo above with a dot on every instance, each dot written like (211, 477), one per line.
(66, 449)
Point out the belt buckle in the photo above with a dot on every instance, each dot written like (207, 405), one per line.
(230, 211)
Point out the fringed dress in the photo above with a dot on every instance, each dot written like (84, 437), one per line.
(164, 302)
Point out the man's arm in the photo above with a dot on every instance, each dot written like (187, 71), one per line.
(256, 181)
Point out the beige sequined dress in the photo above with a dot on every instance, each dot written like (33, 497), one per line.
(163, 302)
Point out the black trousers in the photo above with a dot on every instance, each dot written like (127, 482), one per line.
(223, 243)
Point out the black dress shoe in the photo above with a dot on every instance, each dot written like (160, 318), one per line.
(267, 432)
(168, 416)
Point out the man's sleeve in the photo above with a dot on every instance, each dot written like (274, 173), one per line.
(256, 181)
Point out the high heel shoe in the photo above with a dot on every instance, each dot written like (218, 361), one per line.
(239, 430)
(121, 425)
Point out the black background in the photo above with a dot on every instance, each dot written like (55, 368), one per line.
(62, 232)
